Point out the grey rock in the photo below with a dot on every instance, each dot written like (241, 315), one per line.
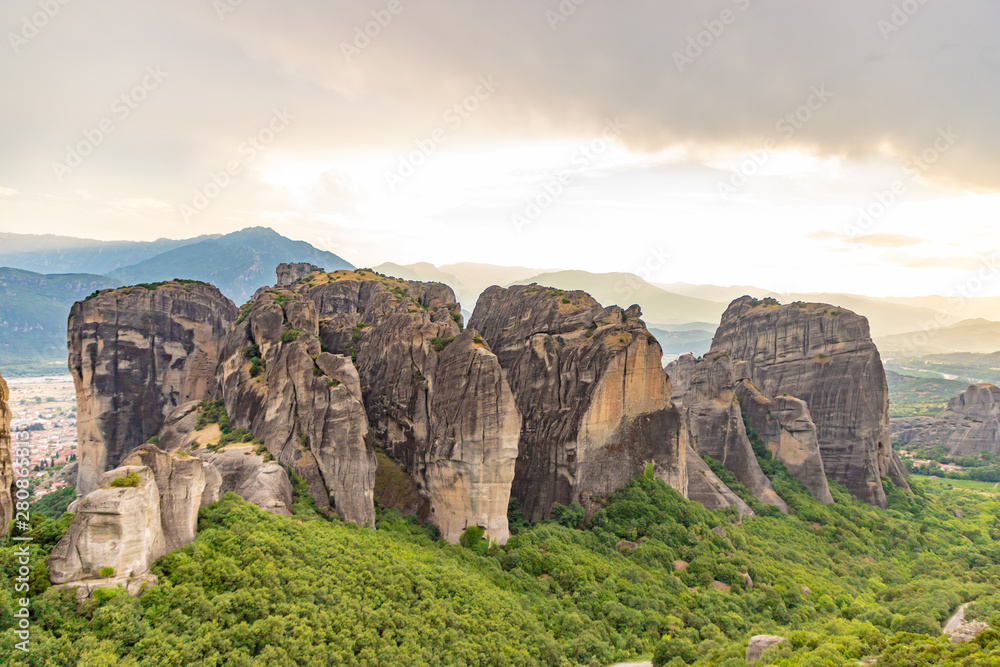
(705, 487)
(245, 473)
(967, 632)
(969, 425)
(180, 480)
(289, 273)
(760, 643)
(825, 356)
(715, 422)
(117, 527)
(135, 354)
(789, 433)
(594, 402)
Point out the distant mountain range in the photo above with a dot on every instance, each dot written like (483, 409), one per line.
(34, 306)
(33, 312)
(683, 316)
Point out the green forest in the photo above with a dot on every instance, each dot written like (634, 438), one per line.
(842, 583)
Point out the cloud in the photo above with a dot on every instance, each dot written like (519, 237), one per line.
(886, 240)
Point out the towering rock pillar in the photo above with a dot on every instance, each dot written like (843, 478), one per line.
(594, 401)
(825, 356)
(6, 462)
(135, 354)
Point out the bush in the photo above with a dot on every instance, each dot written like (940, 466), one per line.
(441, 343)
(106, 572)
(669, 648)
(571, 516)
(290, 335)
(129, 480)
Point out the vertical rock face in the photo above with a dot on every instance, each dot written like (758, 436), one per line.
(289, 273)
(436, 398)
(970, 424)
(6, 462)
(704, 392)
(241, 471)
(705, 487)
(304, 402)
(593, 398)
(116, 527)
(825, 356)
(135, 353)
(788, 431)
(180, 481)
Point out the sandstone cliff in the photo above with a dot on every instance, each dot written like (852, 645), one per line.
(705, 487)
(6, 462)
(113, 527)
(593, 398)
(788, 431)
(970, 424)
(436, 398)
(305, 403)
(180, 481)
(704, 392)
(825, 356)
(240, 470)
(135, 353)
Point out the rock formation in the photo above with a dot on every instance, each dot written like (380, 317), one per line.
(305, 403)
(135, 353)
(180, 481)
(289, 273)
(113, 527)
(969, 425)
(704, 392)
(6, 463)
(705, 487)
(825, 356)
(593, 398)
(760, 643)
(788, 431)
(240, 470)
(967, 632)
(436, 398)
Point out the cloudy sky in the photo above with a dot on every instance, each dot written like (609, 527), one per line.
(840, 146)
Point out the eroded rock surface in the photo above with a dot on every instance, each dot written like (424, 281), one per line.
(135, 354)
(705, 487)
(704, 392)
(240, 470)
(303, 402)
(970, 424)
(788, 431)
(180, 480)
(6, 462)
(594, 402)
(113, 527)
(825, 356)
(760, 643)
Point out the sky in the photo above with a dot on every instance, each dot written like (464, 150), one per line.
(797, 146)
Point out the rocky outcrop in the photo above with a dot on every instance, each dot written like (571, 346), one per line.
(289, 273)
(136, 353)
(760, 643)
(967, 632)
(6, 462)
(436, 398)
(704, 392)
(305, 403)
(969, 425)
(240, 470)
(787, 430)
(594, 401)
(113, 527)
(825, 356)
(180, 480)
(705, 487)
